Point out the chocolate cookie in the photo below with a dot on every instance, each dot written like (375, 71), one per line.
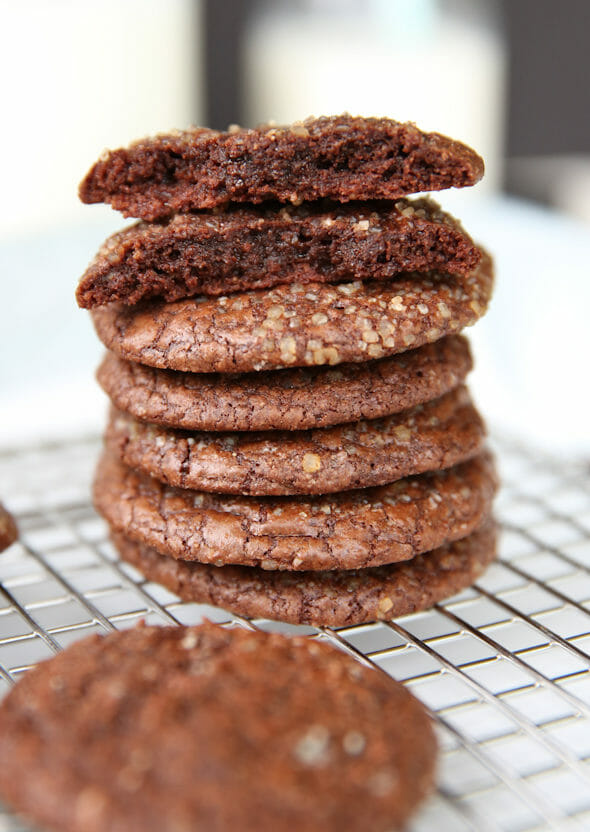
(296, 325)
(427, 437)
(254, 248)
(331, 599)
(286, 399)
(8, 529)
(350, 530)
(339, 157)
(204, 728)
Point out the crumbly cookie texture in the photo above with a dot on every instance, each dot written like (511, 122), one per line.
(348, 530)
(258, 247)
(8, 529)
(286, 399)
(206, 728)
(337, 157)
(331, 599)
(428, 437)
(296, 325)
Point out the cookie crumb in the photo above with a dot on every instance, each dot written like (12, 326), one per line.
(385, 605)
(311, 463)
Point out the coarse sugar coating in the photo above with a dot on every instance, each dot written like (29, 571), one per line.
(206, 729)
(337, 157)
(329, 599)
(296, 399)
(258, 247)
(295, 325)
(428, 437)
(348, 530)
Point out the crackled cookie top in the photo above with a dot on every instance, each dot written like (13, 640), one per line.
(330, 599)
(296, 325)
(339, 157)
(258, 247)
(206, 729)
(347, 530)
(427, 437)
(286, 399)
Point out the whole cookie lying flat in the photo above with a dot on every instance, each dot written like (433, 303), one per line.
(331, 599)
(8, 529)
(205, 729)
(286, 399)
(339, 157)
(341, 531)
(428, 437)
(295, 325)
(254, 248)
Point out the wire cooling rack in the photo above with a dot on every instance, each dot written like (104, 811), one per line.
(504, 667)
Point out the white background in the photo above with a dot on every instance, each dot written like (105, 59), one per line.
(78, 76)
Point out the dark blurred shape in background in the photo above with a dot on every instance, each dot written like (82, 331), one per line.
(548, 106)
(545, 114)
(224, 24)
(509, 77)
(549, 71)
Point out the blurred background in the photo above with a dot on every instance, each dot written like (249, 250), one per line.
(510, 78)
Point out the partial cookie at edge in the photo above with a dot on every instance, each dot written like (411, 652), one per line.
(8, 529)
(209, 728)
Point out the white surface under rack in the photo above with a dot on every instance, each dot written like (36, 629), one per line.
(504, 667)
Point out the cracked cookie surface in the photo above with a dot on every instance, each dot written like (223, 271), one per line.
(428, 437)
(209, 729)
(348, 530)
(296, 325)
(293, 399)
(331, 599)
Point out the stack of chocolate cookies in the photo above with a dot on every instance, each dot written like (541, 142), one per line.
(290, 435)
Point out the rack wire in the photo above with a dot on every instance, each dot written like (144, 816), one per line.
(503, 667)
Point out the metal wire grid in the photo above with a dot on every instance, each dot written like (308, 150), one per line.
(503, 667)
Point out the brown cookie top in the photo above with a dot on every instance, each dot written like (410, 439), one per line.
(349, 530)
(254, 248)
(8, 529)
(296, 325)
(427, 437)
(331, 599)
(205, 728)
(339, 157)
(286, 399)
